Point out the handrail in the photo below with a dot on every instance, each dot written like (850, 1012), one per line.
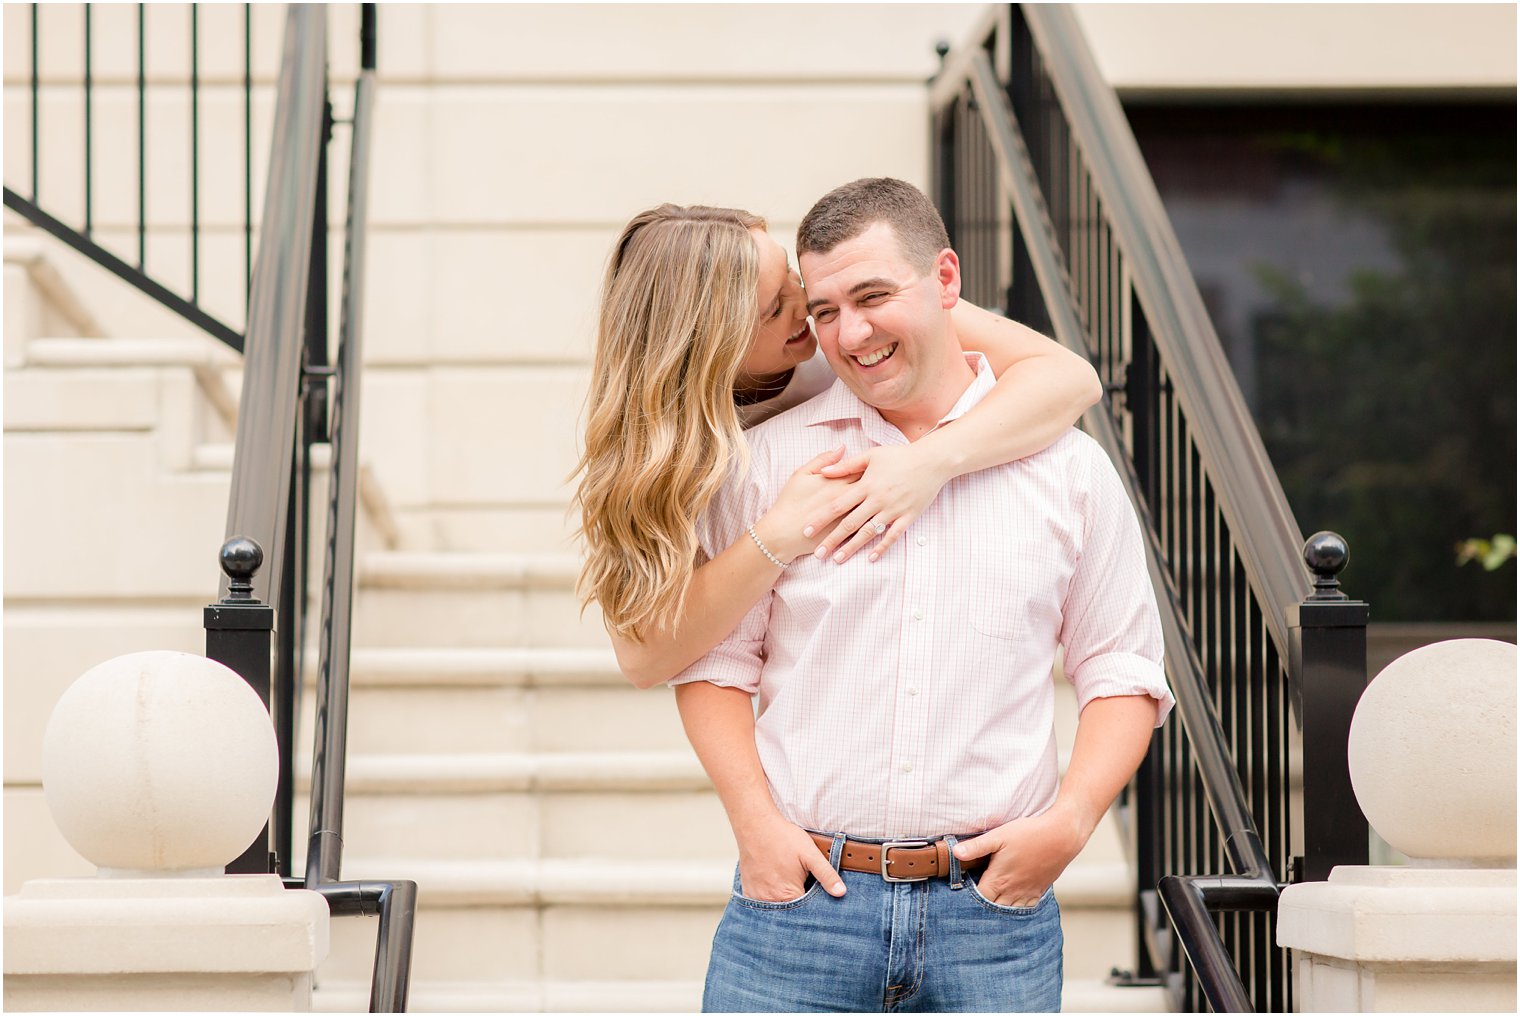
(325, 851)
(1254, 886)
(394, 901)
(1055, 217)
(1251, 495)
(256, 507)
(287, 318)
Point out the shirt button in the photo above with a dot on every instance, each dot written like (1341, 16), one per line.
(907, 769)
(923, 541)
(918, 615)
(912, 691)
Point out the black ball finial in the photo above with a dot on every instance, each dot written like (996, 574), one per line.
(942, 49)
(1327, 555)
(240, 558)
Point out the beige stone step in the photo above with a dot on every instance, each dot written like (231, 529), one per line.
(526, 996)
(413, 599)
(38, 300)
(525, 806)
(598, 919)
(1078, 995)
(523, 699)
(196, 374)
(444, 719)
(44, 399)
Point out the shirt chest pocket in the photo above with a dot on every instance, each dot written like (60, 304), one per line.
(1012, 586)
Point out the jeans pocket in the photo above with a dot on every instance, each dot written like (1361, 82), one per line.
(810, 887)
(997, 908)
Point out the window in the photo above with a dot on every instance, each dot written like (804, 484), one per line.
(1359, 265)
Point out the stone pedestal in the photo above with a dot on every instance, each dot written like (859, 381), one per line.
(235, 942)
(1432, 759)
(1403, 940)
(159, 768)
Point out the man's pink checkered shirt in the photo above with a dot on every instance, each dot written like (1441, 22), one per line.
(912, 696)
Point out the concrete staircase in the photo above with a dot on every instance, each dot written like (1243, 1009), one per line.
(499, 759)
(495, 754)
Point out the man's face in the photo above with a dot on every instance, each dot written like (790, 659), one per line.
(882, 325)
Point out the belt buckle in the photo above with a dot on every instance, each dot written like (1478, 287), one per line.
(886, 848)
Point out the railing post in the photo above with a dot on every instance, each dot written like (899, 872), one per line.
(237, 635)
(1329, 672)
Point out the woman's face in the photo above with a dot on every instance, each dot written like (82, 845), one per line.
(783, 337)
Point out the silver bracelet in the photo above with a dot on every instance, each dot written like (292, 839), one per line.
(764, 549)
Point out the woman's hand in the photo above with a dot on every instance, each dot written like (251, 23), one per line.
(895, 484)
(808, 499)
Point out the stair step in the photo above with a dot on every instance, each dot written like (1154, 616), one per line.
(517, 699)
(48, 400)
(444, 719)
(164, 352)
(420, 599)
(484, 666)
(446, 570)
(522, 771)
(519, 610)
(526, 996)
(1077, 995)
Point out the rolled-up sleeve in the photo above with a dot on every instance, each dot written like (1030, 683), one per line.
(735, 662)
(1111, 631)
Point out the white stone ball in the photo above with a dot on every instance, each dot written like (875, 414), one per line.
(1432, 752)
(160, 763)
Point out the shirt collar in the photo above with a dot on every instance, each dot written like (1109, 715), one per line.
(839, 402)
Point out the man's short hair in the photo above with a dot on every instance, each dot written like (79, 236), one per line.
(845, 212)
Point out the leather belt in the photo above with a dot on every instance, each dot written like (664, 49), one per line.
(897, 860)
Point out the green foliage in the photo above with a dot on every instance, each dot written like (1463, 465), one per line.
(1491, 554)
(1391, 415)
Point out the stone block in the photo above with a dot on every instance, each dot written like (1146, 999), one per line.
(199, 943)
(393, 434)
(653, 943)
(433, 719)
(720, 145)
(464, 944)
(52, 400)
(703, 43)
(65, 489)
(501, 528)
(590, 719)
(547, 280)
(637, 826)
(1397, 939)
(441, 825)
(503, 435)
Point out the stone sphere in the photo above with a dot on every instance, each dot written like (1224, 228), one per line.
(160, 763)
(1432, 752)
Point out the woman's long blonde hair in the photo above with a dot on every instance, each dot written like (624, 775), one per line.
(678, 313)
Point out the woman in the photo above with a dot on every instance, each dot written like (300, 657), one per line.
(703, 330)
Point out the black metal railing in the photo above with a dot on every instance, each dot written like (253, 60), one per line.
(118, 226)
(1055, 215)
(291, 386)
(288, 371)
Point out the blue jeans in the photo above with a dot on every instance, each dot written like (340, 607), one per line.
(886, 947)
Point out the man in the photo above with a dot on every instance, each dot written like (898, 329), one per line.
(909, 699)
